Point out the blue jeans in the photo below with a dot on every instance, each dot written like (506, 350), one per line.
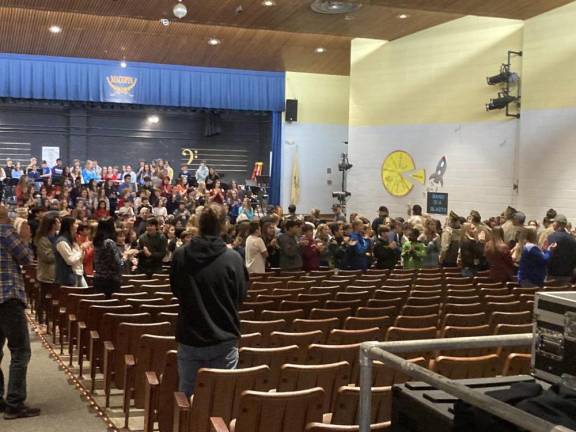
(191, 359)
(14, 328)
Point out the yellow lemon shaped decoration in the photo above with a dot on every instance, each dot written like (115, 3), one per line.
(396, 166)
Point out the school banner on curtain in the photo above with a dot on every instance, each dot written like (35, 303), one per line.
(119, 84)
(90, 80)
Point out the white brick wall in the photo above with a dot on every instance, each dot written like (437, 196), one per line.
(547, 162)
(479, 157)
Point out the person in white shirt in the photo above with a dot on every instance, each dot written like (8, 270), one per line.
(202, 173)
(160, 209)
(256, 250)
(132, 174)
(69, 266)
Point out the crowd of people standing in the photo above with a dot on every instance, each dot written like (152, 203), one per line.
(106, 222)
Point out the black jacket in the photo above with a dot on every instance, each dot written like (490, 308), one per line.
(386, 257)
(563, 259)
(210, 281)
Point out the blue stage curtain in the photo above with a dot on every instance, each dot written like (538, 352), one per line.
(88, 80)
(276, 175)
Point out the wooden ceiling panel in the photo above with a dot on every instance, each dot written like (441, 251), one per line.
(282, 37)
(371, 21)
(106, 37)
(515, 9)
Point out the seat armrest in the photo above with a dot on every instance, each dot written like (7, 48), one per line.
(129, 361)
(150, 400)
(217, 424)
(129, 380)
(181, 412)
(109, 346)
(152, 379)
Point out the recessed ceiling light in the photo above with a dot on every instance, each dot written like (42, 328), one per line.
(154, 119)
(55, 29)
(320, 50)
(123, 64)
(403, 16)
(268, 3)
(214, 41)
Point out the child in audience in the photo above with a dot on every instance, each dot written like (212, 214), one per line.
(413, 251)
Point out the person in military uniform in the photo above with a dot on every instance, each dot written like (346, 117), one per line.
(510, 231)
(450, 241)
(547, 227)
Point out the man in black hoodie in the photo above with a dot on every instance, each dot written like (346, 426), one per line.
(210, 280)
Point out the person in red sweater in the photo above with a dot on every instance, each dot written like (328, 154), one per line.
(84, 237)
(498, 256)
(311, 249)
(102, 212)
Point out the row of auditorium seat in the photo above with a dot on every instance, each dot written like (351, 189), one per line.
(128, 341)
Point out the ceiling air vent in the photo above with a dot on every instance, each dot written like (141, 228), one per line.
(335, 7)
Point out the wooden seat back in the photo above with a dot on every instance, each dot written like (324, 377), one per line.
(329, 377)
(303, 340)
(407, 321)
(155, 309)
(346, 405)
(347, 337)
(321, 313)
(127, 342)
(265, 328)
(326, 354)
(288, 315)
(465, 320)
(218, 393)
(279, 412)
(371, 312)
(467, 367)
(151, 355)
(361, 323)
(274, 358)
(324, 325)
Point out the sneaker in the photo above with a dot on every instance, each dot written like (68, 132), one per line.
(21, 412)
(2, 406)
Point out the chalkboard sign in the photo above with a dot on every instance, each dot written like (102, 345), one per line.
(437, 203)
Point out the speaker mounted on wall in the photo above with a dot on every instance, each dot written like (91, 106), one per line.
(291, 110)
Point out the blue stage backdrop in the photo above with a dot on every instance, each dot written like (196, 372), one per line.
(90, 80)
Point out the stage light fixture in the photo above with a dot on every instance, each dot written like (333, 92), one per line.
(503, 77)
(153, 119)
(403, 16)
(341, 194)
(500, 102)
(123, 64)
(320, 50)
(214, 41)
(55, 29)
(268, 3)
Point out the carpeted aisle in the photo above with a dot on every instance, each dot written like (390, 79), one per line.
(62, 408)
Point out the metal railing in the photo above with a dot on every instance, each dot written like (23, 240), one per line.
(386, 353)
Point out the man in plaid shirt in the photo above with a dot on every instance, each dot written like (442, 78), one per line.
(14, 252)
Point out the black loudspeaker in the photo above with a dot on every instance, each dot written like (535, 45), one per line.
(291, 110)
